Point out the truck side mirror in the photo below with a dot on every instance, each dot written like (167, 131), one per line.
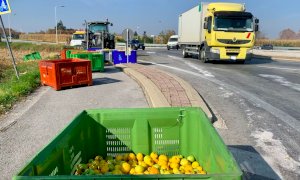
(205, 25)
(256, 21)
(256, 27)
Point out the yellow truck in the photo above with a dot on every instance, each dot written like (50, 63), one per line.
(217, 32)
(77, 38)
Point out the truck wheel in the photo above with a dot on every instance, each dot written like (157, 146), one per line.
(184, 53)
(143, 47)
(203, 55)
(168, 47)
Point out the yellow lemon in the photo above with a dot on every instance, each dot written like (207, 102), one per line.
(184, 162)
(174, 165)
(131, 156)
(139, 157)
(154, 155)
(104, 169)
(139, 169)
(125, 168)
(132, 171)
(163, 157)
(176, 171)
(153, 170)
(195, 164)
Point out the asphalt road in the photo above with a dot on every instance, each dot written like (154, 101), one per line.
(256, 104)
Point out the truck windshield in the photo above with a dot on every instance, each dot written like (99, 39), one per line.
(78, 36)
(228, 23)
(98, 28)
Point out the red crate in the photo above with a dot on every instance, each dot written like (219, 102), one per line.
(65, 72)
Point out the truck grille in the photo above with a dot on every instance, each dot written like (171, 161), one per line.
(230, 41)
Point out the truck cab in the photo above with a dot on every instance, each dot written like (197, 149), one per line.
(229, 32)
(217, 32)
(77, 38)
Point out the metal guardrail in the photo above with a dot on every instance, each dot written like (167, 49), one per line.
(146, 45)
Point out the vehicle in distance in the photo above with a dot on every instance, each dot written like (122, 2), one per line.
(217, 32)
(77, 38)
(173, 42)
(135, 44)
(98, 35)
(267, 47)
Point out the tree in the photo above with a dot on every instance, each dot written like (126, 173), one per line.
(165, 35)
(287, 34)
(60, 25)
(135, 34)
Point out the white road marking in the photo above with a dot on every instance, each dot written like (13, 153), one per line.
(174, 57)
(282, 81)
(256, 101)
(280, 68)
(204, 72)
(150, 52)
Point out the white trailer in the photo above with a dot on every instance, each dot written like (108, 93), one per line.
(190, 29)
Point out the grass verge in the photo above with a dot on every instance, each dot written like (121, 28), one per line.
(12, 89)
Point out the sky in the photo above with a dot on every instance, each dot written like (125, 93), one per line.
(152, 16)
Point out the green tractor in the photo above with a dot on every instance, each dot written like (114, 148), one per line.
(98, 36)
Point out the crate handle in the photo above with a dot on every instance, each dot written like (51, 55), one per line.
(180, 116)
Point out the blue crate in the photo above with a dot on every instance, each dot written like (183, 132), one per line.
(119, 57)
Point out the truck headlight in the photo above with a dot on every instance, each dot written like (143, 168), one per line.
(216, 51)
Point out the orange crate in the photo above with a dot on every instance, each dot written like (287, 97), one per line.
(65, 72)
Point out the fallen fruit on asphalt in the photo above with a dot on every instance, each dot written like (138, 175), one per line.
(140, 164)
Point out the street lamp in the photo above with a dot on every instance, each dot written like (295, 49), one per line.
(56, 23)
(9, 31)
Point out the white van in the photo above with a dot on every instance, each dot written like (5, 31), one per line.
(173, 42)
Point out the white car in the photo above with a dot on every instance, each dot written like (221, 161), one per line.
(173, 42)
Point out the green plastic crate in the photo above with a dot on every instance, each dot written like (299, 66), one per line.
(32, 56)
(97, 60)
(37, 55)
(169, 131)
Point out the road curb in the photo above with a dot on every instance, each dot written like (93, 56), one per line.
(154, 96)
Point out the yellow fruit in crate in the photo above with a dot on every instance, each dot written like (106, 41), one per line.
(139, 169)
(191, 158)
(98, 158)
(142, 163)
(162, 157)
(117, 172)
(154, 155)
(164, 167)
(131, 156)
(132, 171)
(176, 171)
(153, 170)
(139, 157)
(201, 172)
(119, 157)
(188, 169)
(118, 167)
(199, 168)
(146, 172)
(184, 162)
(125, 157)
(175, 159)
(161, 163)
(104, 169)
(195, 164)
(125, 167)
(174, 165)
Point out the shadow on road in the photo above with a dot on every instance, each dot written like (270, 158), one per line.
(104, 80)
(252, 163)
